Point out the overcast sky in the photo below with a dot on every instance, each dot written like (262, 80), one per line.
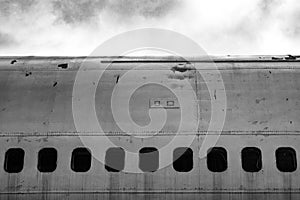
(76, 27)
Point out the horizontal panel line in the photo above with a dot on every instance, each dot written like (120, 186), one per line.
(236, 133)
(157, 192)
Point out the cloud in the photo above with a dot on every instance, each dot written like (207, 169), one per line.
(83, 11)
(10, 7)
(145, 8)
(76, 27)
(6, 40)
(289, 17)
(267, 6)
(72, 12)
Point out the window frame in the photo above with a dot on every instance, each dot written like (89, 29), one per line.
(38, 159)
(123, 159)
(186, 150)
(295, 154)
(260, 160)
(226, 159)
(140, 160)
(6, 156)
(72, 160)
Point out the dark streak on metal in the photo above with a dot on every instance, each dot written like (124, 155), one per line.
(215, 94)
(13, 62)
(63, 66)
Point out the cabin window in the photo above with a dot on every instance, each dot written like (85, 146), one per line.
(217, 159)
(286, 159)
(81, 160)
(183, 159)
(14, 160)
(47, 160)
(251, 159)
(149, 159)
(114, 159)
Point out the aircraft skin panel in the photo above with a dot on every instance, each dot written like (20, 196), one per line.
(200, 180)
(262, 111)
(258, 92)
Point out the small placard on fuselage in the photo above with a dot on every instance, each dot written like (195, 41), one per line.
(167, 103)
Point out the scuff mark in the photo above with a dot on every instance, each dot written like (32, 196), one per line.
(290, 57)
(174, 86)
(181, 76)
(259, 100)
(45, 123)
(181, 68)
(55, 84)
(28, 74)
(14, 187)
(176, 76)
(215, 94)
(263, 122)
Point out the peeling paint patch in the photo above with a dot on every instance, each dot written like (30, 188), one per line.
(174, 86)
(13, 62)
(63, 66)
(28, 74)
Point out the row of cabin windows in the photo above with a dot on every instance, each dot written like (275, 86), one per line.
(149, 159)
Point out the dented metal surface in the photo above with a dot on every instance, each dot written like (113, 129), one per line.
(262, 111)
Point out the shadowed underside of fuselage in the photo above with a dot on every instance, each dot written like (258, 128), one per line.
(45, 150)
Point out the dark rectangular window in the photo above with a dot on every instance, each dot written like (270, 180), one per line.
(14, 160)
(114, 159)
(149, 159)
(183, 159)
(217, 159)
(47, 160)
(251, 159)
(81, 160)
(286, 160)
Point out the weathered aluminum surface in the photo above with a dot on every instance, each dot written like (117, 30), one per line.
(263, 100)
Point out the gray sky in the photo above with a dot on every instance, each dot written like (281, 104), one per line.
(69, 27)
